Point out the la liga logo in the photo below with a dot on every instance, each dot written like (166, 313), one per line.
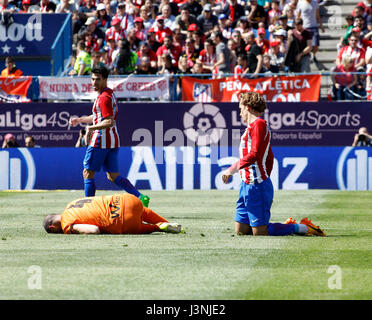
(204, 124)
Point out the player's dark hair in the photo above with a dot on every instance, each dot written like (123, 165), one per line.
(253, 100)
(102, 70)
(48, 221)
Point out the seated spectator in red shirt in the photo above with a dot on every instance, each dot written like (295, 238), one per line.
(160, 30)
(358, 54)
(344, 81)
(261, 41)
(115, 31)
(145, 51)
(169, 48)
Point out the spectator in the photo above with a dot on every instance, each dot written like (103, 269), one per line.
(223, 26)
(148, 21)
(207, 21)
(30, 142)
(145, 51)
(150, 9)
(276, 56)
(190, 52)
(166, 65)
(11, 70)
(198, 70)
(183, 69)
(151, 40)
(241, 67)
(178, 38)
(83, 62)
(88, 7)
(243, 28)
(194, 6)
(169, 48)
(91, 44)
(362, 138)
(10, 141)
(308, 11)
(184, 19)
(263, 43)
(358, 54)
(115, 31)
(81, 140)
(47, 6)
(239, 42)
(169, 19)
(63, 7)
(255, 56)
(359, 22)
(344, 41)
(198, 38)
(126, 60)
(233, 11)
(173, 6)
(222, 54)
(78, 22)
(7, 7)
(160, 30)
(103, 19)
(299, 48)
(208, 56)
(26, 5)
(289, 13)
(274, 13)
(267, 67)
(96, 60)
(366, 5)
(283, 23)
(91, 25)
(361, 85)
(256, 15)
(145, 67)
(233, 57)
(110, 49)
(281, 36)
(344, 80)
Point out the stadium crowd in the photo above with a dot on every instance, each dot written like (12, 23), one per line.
(248, 38)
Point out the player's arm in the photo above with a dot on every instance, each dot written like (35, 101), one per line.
(104, 124)
(84, 229)
(74, 121)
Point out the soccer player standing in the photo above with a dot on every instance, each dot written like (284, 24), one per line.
(255, 164)
(102, 138)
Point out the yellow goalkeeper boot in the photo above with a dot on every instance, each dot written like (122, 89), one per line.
(312, 229)
(171, 227)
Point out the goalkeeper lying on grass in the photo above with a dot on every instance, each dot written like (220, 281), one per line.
(115, 214)
(255, 165)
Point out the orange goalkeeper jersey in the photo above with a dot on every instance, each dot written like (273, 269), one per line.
(105, 212)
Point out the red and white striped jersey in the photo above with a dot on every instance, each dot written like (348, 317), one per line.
(255, 154)
(356, 53)
(104, 106)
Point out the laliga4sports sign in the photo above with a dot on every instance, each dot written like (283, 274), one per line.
(188, 168)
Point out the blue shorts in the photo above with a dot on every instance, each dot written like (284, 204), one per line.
(254, 203)
(96, 158)
(316, 36)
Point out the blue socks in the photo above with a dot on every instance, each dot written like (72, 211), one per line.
(89, 187)
(125, 184)
(281, 229)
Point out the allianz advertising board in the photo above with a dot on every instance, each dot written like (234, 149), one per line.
(187, 168)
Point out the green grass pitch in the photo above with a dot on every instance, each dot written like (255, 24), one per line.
(208, 262)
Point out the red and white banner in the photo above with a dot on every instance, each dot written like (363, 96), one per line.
(80, 88)
(275, 89)
(14, 89)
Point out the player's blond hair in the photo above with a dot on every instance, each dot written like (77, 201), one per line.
(253, 100)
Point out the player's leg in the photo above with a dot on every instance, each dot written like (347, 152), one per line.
(242, 225)
(150, 216)
(259, 201)
(93, 161)
(111, 166)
